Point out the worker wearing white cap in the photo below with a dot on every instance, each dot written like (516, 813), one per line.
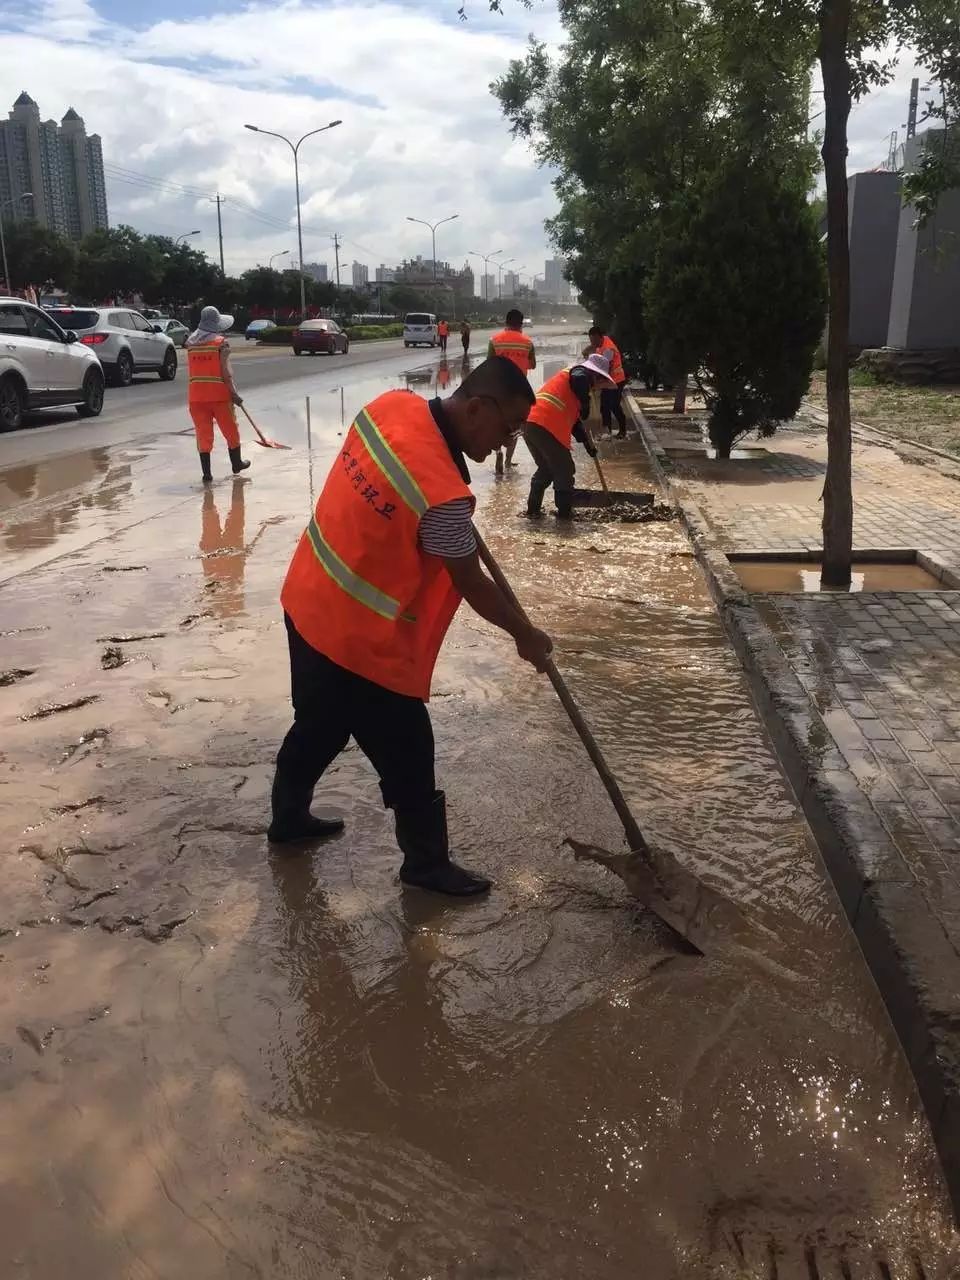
(211, 390)
(554, 421)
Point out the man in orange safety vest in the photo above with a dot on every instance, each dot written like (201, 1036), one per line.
(553, 423)
(372, 588)
(611, 405)
(513, 344)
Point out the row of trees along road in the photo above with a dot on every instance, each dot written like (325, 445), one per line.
(122, 263)
(679, 131)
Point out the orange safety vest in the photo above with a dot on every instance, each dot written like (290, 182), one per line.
(359, 588)
(205, 384)
(557, 408)
(617, 372)
(512, 345)
(443, 329)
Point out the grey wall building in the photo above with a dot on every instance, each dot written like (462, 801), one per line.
(59, 164)
(874, 205)
(924, 310)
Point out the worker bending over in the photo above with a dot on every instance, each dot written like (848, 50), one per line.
(611, 398)
(554, 420)
(211, 390)
(513, 344)
(371, 590)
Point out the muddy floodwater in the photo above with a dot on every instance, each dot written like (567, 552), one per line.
(801, 575)
(218, 1064)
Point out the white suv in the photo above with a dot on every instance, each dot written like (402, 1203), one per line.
(41, 367)
(124, 342)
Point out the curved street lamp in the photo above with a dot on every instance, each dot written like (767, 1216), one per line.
(295, 148)
(485, 258)
(281, 253)
(433, 232)
(500, 266)
(186, 236)
(27, 195)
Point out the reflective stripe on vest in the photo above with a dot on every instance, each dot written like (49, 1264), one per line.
(556, 408)
(389, 463)
(512, 346)
(360, 589)
(205, 381)
(363, 592)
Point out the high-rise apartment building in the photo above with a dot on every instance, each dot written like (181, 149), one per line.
(511, 284)
(52, 173)
(317, 271)
(554, 284)
(385, 274)
(488, 287)
(360, 275)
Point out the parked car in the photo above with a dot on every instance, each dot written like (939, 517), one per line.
(319, 335)
(258, 327)
(175, 331)
(43, 367)
(419, 329)
(125, 342)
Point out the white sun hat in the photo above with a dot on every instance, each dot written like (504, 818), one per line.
(599, 365)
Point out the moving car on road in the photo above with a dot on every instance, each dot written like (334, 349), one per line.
(123, 341)
(419, 329)
(42, 367)
(319, 335)
(175, 331)
(257, 328)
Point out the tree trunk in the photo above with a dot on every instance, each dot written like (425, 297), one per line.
(837, 490)
(680, 395)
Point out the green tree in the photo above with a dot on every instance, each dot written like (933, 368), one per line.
(741, 261)
(37, 255)
(183, 273)
(404, 297)
(115, 263)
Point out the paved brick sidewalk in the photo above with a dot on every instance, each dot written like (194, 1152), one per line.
(861, 693)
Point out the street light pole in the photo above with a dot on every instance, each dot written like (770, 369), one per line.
(279, 254)
(433, 232)
(500, 266)
(485, 258)
(27, 195)
(295, 148)
(186, 236)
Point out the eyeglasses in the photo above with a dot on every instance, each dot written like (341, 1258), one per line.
(512, 432)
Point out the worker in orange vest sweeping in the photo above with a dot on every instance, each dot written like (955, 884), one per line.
(554, 421)
(211, 390)
(372, 588)
(513, 344)
(610, 397)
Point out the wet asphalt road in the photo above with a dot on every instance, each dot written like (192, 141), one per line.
(150, 406)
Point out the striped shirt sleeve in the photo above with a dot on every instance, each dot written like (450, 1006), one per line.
(447, 530)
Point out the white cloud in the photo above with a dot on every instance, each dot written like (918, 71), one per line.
(421, 134)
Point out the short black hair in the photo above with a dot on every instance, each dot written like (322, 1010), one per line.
(595, 329)
(497, 377)
(514, 317)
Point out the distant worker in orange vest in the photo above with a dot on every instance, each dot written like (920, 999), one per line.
(443, 333)
(371, 590)
(513, 344)
(611, 397)
(553, 423)
(211, 390)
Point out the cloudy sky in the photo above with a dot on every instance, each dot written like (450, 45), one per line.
(169, 86)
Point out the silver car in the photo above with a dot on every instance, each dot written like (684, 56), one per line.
(175, 331)
(122, 339)
(41, 367)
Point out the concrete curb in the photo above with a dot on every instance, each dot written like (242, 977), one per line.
(912, 961)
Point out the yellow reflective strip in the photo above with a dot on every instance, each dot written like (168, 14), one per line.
(389, 463)
(551, 399)
(358, 588)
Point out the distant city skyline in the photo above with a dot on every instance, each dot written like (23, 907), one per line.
(52, 173)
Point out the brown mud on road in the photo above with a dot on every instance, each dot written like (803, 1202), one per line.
(218, 1064)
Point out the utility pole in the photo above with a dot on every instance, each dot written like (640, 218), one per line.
(220, 234)
(336, 258)
(912, 109)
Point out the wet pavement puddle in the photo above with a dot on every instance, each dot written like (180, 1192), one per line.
(259, 1067)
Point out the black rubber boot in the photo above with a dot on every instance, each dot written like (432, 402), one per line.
(292, 820)
(205, 468)
(236, 461)
(564, 501)
(422, 837)
(622, 433)
(535, 499)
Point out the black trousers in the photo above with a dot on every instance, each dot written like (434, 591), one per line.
(443, 342)
(331, 705)
(610, 406)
